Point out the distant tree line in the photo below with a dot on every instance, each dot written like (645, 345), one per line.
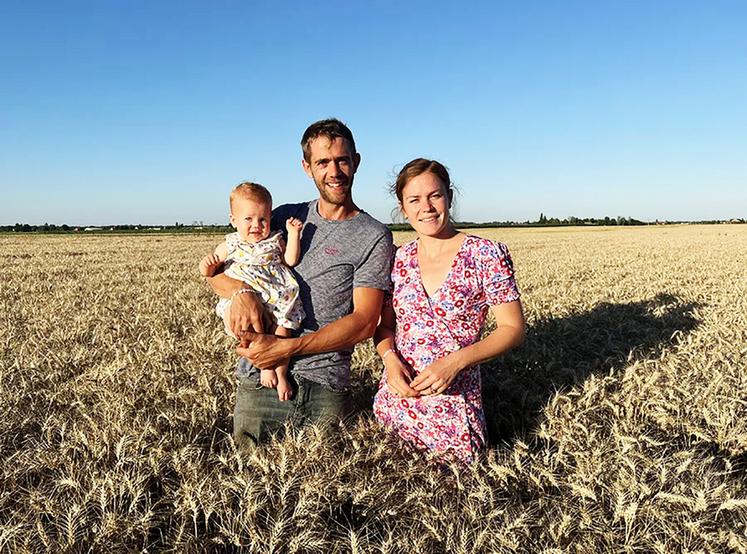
(543, 221)
(136, 228)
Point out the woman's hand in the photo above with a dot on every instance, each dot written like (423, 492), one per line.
(398, 376)
(437, 377)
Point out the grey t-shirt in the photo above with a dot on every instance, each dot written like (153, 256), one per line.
(336, 257)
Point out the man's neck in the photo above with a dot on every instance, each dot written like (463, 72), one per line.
(337, 212)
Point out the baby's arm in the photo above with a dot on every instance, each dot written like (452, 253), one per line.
(292, 254)
(211, 264)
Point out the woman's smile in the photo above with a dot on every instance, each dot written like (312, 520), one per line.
(425, 204)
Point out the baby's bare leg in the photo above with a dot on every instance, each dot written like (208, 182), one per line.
(285, 389)
(226, 320)
(269, 379)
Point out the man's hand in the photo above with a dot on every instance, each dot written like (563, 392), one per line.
(437, 377)
(264, 351)
(247, 313)
(399, 376)
(209, 265)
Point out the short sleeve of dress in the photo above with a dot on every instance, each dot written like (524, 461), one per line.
(232, 240)
(497, 272)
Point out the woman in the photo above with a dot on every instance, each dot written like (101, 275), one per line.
(444, 283)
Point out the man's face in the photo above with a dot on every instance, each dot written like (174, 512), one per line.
(332, 166)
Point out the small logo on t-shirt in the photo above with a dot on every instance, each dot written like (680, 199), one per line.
(331, 251)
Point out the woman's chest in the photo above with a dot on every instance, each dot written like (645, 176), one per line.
(455, 292)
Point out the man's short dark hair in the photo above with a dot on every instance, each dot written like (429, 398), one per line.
(330, 128)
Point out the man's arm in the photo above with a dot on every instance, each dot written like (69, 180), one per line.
(246, 311)
(223, 285)
(266, 351)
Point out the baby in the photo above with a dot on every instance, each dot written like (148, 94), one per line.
(253, 256)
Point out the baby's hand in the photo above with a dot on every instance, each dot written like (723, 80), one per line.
(293, 225)
(209, 265)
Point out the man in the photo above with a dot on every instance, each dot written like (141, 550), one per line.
(343, 273)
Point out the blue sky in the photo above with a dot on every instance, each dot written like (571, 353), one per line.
(150, 112)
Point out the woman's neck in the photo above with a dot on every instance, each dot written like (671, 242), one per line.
(433, 247)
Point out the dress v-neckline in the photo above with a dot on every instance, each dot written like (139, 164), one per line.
(430, 296)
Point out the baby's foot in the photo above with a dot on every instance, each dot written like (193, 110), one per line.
(285, 389)
(268, 378)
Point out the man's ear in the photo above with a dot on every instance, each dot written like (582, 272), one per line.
(306, 168)
(356, 161)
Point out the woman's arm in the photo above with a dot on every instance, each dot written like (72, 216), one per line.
(509, 333)
(398, 375)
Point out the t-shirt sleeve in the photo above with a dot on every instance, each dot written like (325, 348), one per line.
(376, 265)
(277, 221)
(497, 272)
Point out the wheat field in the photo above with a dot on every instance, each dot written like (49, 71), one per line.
(619, 426)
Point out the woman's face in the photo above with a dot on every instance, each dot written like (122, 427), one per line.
(425, 204)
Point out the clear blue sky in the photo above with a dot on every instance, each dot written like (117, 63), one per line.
(149, 112)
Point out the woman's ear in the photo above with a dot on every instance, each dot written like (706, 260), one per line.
(450, 194)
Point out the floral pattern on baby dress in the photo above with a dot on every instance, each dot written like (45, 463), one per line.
(261, 267)
(429, 328)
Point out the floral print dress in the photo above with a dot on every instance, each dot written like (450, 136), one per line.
(429, 328)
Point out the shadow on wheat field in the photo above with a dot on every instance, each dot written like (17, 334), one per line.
(562, 352)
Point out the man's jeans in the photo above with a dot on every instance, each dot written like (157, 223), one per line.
(259, 413)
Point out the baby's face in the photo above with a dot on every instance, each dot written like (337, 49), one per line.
(251, 219)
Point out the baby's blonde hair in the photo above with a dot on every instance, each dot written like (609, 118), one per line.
(251, 191)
